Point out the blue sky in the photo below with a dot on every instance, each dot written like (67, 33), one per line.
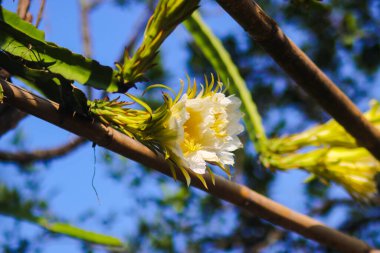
(67, 181)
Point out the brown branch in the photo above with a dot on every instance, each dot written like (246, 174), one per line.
(85, 10)
(9, 118)
(84, 13)
(248, 243)
(356, 224)
(24, 158)
(237, 194)
(272, 237)
(138, 30)
(329, 204)
(23, 10)
(94, 4)
(86, 38)
(303, 71)
(40, 12)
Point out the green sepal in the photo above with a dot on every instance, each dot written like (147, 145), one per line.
(203, 181)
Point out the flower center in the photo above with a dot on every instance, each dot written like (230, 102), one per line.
(219, 125)
(193, 131)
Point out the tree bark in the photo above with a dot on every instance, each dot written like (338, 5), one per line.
(227, 190)
(265, 31)
(45, 155)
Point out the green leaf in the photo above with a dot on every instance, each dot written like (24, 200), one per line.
(23, 40)
(40, 80)
(78, 233)
(1, 94)
(13, 205)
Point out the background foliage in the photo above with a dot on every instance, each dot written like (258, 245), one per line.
(151, 213)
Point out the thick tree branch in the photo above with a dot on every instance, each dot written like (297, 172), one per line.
(301, 69)
(24, 158)
(237, 194)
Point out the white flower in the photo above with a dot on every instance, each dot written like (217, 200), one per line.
(207, 127)
(190, 130)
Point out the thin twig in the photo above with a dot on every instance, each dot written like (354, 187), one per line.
(85, 10)
(84, 13)
(9, 118)
(95, 3)
(40, 12)
(265, 31)
(327, 205)
(24, 158)
(272, 237)
(356, 224)
(23, 10)
(138, 31)
(237, 194)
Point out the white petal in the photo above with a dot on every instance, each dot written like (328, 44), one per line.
(196, 163)
(212, 124)
(226, 158)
